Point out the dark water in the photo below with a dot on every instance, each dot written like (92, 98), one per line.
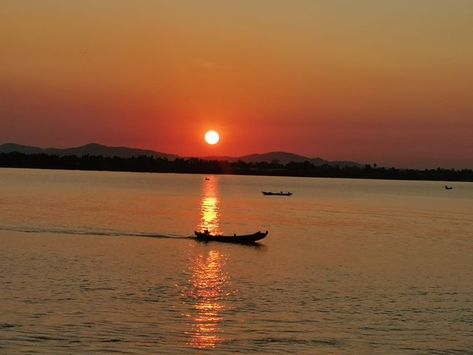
(103, 262)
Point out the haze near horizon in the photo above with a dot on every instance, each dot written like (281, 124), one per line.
(378, 82)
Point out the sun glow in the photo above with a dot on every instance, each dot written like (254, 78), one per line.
(212, 137)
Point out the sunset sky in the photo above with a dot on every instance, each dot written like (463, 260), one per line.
(387, 82)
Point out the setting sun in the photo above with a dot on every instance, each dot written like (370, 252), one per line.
(212, 137)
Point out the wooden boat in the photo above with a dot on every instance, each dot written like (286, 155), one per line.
(268, 193)
(448, 187)
(244, 239)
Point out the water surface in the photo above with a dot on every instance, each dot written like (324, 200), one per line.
(102, 261)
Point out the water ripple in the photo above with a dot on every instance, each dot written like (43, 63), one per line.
(91, 232)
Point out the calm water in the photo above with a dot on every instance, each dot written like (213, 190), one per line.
(99, 261)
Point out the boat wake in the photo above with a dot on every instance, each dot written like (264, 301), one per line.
(90, 232)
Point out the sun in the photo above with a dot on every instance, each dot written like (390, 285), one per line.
(212, 137)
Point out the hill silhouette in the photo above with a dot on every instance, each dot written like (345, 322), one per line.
(25, 149)
(285, 158)
(94, 149)
(100, 157)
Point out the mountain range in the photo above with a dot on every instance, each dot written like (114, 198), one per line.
(94, 149)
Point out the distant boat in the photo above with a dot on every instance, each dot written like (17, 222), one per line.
(448, 187)
(207, 178)
(268, 193)
(242, 239)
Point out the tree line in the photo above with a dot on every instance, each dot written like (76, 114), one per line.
(200, 166)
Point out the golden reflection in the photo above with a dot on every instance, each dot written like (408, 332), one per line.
(208, 281)
(208, 292)
(209, 206)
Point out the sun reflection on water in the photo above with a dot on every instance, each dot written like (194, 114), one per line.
(209, 207)
(208, 284)
(208, 291)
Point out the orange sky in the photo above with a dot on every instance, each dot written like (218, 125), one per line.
(386, 82)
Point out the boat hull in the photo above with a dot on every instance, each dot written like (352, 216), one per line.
(241, 239)
(267, 193)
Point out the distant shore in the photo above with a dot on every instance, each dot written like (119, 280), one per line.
(200, 166)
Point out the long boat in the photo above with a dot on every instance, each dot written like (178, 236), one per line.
(243, 239)
(269, 193)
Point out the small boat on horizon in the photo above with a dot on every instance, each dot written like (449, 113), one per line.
(448, 187)
(206, 236)
(269, 193)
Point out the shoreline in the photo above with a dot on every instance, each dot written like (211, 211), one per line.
(363, 174)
